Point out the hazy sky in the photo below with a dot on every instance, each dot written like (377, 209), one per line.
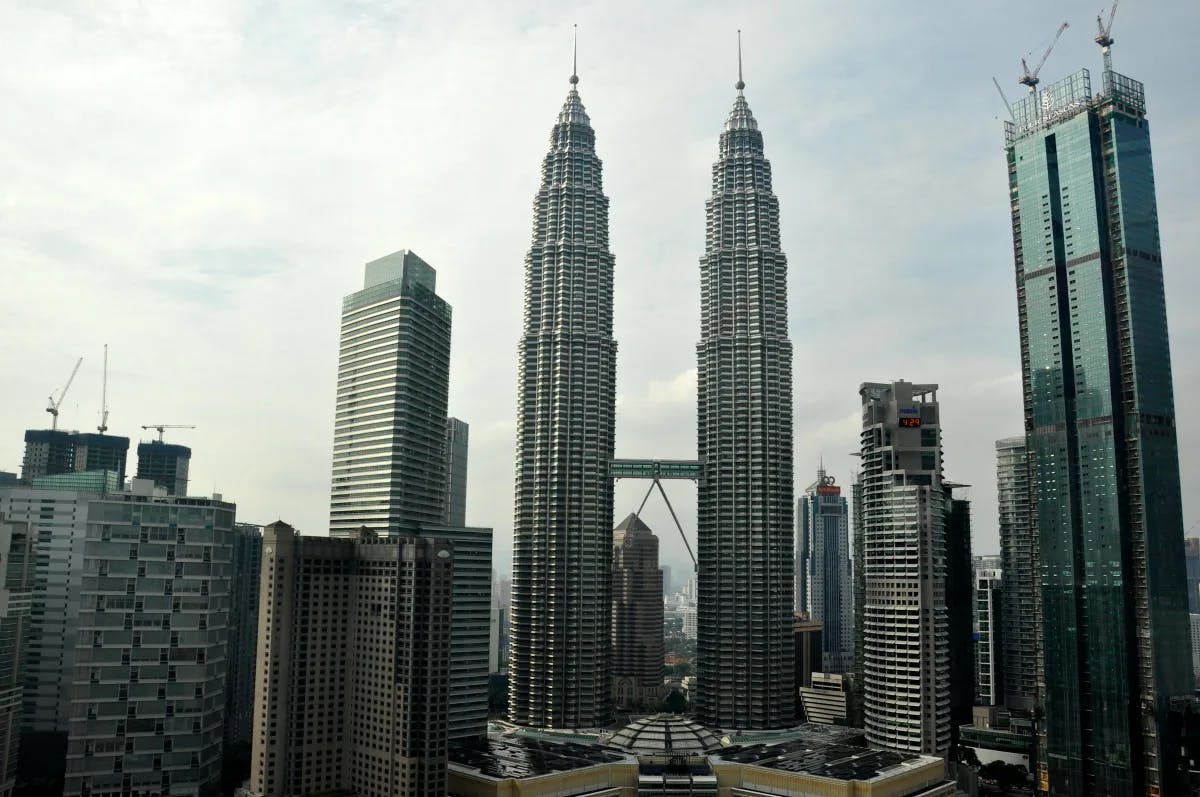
(199, 183)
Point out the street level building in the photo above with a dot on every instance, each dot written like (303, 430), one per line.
(826, 698)
(352, 690)
(807, 654)
(824, 586)
(16, 598)
(637, 614)
(1100, 427)
(560, 672)
(744, 419)
(906, 667)
(389, 437)
(147, 698)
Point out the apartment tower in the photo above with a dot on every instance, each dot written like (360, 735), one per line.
(560, 645)
(353, 657)
(906, 663)
(1100, 428)
(744, 418)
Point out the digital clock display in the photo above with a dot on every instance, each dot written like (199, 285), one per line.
(910, 422)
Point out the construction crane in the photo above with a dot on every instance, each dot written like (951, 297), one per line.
(161, 426)
(53, 406)
(103, 427)
(1104, 35)
(1030, 79)
(1004, 97)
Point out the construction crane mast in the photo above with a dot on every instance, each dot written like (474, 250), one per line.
(103, 427)
(53, 406)
(1104, 36)
(1030, 78)
(160, 426)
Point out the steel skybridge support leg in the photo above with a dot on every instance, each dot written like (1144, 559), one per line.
(682, 536)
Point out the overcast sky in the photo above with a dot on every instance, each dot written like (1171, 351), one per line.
(199, 183)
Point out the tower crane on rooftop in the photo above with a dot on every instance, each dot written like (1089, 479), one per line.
(161, 426)
(53, 406)
(103, 427)
(1030, 79)
(1104, 35)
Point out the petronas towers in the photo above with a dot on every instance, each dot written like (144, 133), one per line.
(562, 530)
(560, 650)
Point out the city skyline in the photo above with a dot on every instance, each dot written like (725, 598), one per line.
(209, 285)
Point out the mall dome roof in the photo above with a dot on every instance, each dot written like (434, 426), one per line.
(665, 733)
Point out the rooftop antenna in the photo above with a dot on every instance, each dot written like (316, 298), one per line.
(741, 84)
(1030, 79)
(574, 79)
(53, 406)
(103, 427)
(1007, 104)
(1104, 38)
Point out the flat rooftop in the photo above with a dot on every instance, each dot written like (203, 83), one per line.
(824, 751)
(514, 756)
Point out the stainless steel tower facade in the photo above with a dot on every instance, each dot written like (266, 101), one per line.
(559, 666)
(744, 420)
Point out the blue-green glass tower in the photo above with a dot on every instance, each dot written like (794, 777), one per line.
(1100, 427)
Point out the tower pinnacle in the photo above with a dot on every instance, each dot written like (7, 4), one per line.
(574, 79)
(741, 84)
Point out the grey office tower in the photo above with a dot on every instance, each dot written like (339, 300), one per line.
(744, 409)
(560, 647)
(389, 437)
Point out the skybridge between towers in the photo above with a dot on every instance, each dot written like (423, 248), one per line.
(656, 470)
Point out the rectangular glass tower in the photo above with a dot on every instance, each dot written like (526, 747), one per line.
(1100, 427)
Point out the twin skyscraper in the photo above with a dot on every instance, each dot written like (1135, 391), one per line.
(560, 661)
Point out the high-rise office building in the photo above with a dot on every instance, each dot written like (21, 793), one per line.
(470, 633)
(165, 464)
(498, 640)
(823, 581)
(1191, 558)
(989, 636)
(744, 418)
(101, 452)
(560, 647)
(352, 690)
(637, 614)
(16, 597)
(243, 632)
(1021, 609)
(148, 694)
(455, 511)
(389, 437)
(47, 452)
(906, 667)
(1100, 426)
(960, 608)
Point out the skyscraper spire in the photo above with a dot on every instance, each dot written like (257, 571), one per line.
(574, 79)
(560, 652)
(741, 84)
